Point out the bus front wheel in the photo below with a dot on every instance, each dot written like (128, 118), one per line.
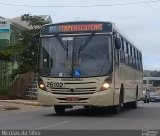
(59, 109)
(116, 109)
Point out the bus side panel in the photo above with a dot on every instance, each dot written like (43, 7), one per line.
(130, 78)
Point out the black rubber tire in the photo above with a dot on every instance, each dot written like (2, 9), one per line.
(116, 109)
(59, 109)
(125, 105)
(134, 104)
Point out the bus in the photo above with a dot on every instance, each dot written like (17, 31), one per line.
(152, 84)
(89, 64)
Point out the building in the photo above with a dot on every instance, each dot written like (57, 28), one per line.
(4, 31)
(10, 34)
(5, 66)
(152, 83)
(18, 25)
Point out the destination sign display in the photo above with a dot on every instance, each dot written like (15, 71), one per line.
(76, 28)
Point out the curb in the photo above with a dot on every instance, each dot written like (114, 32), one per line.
(20, 102)
(2, 107)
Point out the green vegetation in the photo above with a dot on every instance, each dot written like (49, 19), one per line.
(148, 73)
(24, 53)
(3, 91)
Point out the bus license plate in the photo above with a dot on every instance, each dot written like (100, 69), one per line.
(72, 99)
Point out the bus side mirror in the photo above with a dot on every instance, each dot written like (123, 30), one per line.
(34, 40)
(118, 43)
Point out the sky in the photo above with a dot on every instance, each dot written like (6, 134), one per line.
(139, 20)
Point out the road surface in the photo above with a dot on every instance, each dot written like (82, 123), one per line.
(146, 116)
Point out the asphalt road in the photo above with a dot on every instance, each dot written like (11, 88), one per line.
(146, 116)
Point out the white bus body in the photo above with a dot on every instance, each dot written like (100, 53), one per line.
(121, 86)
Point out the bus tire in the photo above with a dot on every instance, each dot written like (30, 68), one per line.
(59, 109)
(117, 108)
(125, 105)
(134, 103)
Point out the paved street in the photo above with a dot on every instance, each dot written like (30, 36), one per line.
(147, 116)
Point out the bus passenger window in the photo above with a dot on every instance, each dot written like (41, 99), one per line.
(116, 55)
(127, 48)
(134, 63)
(134, 53)
(141, 66)
(131, 50)
(122, 56)
(130, 61)
(126, 59)
(122, 41)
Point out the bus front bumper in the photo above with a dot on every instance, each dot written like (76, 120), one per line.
(102, 98)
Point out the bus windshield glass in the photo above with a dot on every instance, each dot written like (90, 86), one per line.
(75, 56)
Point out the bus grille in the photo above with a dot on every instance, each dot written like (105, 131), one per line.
(75, 91)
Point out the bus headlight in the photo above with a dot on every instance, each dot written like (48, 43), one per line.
(107, 83)
(105, 86)
(41, 85)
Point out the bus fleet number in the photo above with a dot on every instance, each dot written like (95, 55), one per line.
(54, 84)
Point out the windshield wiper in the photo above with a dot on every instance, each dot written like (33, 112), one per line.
(107, 57)
(83, 46)
(62, 44)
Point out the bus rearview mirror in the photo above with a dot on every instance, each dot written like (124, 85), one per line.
(118, 43)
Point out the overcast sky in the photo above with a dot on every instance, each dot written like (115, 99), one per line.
(138, 20)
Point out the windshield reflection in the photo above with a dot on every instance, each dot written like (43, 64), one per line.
(75, 56)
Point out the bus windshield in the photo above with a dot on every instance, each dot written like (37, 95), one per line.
(75, 56)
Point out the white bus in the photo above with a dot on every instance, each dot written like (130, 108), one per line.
(89, 64)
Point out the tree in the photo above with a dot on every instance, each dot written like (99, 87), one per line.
(34, 21)
(9, 52)
(149, 73)
(27, 54)
(155, 73)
